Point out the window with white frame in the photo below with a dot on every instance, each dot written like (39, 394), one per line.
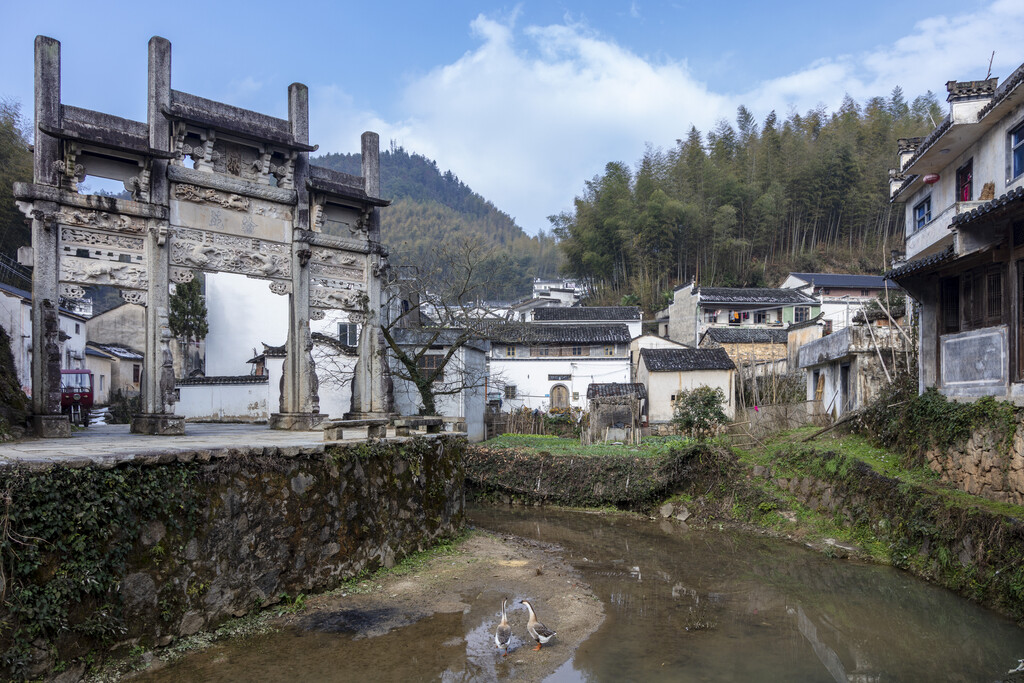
(923, 213)
(1017, 151)
(348, 334)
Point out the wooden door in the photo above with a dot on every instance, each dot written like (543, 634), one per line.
(559, 396)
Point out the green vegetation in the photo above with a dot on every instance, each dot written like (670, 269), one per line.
(431, 208)
(742, 205)
(67, 538)
(911, 424)
(538, 443)
(15, 166)
(700, 412)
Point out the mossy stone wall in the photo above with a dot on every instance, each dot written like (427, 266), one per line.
(158, 548)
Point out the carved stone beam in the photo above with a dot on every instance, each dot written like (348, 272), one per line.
(181, 275)
(133, 297)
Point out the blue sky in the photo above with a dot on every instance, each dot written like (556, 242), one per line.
(524, 102)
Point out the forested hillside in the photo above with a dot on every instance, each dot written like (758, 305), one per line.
(15, 165)
(429, 207)
(743, 204)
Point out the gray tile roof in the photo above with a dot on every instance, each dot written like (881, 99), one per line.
(536, 334)
(999, 205)
(594, 313)
(610, 389)
(122, 352)
(921, 264)
(747, 335)
(681, 360)
(753, 295)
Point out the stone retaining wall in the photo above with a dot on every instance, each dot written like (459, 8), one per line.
(984, 466)
(253, 525)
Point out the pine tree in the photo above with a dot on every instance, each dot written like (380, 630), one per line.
(187, 318)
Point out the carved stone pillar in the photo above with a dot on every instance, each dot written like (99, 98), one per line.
(157, 415)
(47, 419)
(371, 388)
(300, 402)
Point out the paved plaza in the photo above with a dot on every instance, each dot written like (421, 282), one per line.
(105, 444)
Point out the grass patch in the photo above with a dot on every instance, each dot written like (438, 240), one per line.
(536, 443)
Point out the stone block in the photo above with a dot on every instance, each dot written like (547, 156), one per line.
(158, 425)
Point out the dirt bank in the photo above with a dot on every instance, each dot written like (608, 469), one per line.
(437, 621)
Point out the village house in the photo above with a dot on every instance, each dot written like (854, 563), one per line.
(617, 412)
(846, 369)
(694, 309)
(114, 369)
(16, 319)
(841, 295)
(459, 394)
(668, 372)
(963, 191)
(544, 366)
(758, 349)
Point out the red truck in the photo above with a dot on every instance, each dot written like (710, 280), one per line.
(76, 395)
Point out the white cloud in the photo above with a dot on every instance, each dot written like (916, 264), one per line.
(533, 112)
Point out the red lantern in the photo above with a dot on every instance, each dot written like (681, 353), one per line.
(931, 178)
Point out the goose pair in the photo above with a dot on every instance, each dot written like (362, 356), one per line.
(538, 631)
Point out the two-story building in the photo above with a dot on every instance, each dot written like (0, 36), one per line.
(963, 191)
(841, 294)
(544, 366)
(694, 309)
(591, 315)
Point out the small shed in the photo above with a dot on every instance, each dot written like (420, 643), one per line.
(617, 411)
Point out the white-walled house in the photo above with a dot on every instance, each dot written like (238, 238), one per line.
(544, 366)
(667, 372)
(460, 392)
(962, 188)
(16, 319)
(841, 295)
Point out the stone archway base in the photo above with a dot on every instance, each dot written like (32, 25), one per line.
(158, 425)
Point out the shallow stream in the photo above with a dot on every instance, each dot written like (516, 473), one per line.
(680, 606)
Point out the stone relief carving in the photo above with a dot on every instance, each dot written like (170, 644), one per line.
(317, 315)
(202, 195)
(180, 275)
(72, 292)
(95, 272)
(333, 264)
(100, 219)
(281, 288)
(138, 186)
(217, 252)
(100, 239)
(336, 297)
(133, 297)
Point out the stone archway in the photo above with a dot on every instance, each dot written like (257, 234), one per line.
(213, 188)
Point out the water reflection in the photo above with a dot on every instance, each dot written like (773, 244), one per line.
(693, 606)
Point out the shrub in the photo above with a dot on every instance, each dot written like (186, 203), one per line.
(123, 407)
(700, 412)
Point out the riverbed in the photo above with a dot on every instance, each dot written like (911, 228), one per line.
(631, 599)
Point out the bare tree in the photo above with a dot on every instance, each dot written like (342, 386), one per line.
(434, 312)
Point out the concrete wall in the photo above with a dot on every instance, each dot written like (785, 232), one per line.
(122, 326)
(662, 386)
(223, 402)
(248, 525)
(683, 325)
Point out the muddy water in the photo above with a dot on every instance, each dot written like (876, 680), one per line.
(719, 606)
(680, 606)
